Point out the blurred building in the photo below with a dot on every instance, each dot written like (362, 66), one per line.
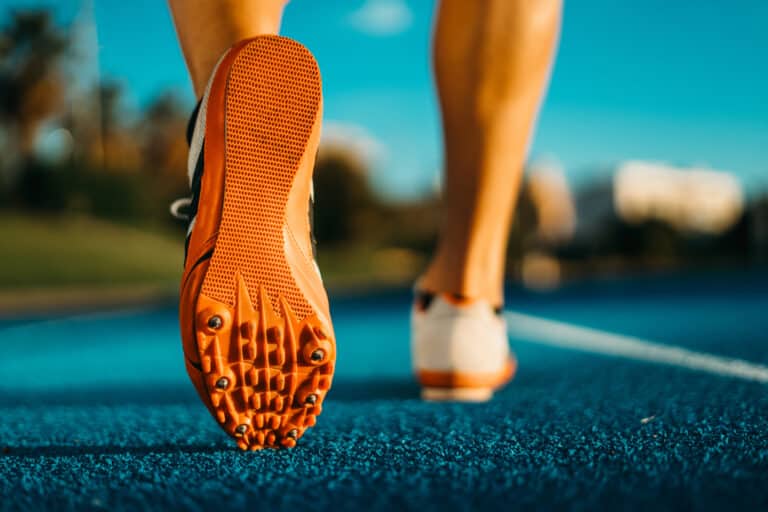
(695, 200)
(642, 216)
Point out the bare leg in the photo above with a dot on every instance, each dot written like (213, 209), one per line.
(492, 60)
(207, 28)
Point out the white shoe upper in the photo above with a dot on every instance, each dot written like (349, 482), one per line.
(467, 339)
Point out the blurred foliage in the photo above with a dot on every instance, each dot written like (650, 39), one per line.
(31, 85)
(113, 163)
(125, 166)
(345, 208)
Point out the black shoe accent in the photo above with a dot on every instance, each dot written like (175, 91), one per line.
(201, 259)
(197, 176)
(196, 366)
(197, 179)
(312, 228)
(192, 121)
(423, 300)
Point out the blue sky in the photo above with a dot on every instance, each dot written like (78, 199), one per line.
(684, 82)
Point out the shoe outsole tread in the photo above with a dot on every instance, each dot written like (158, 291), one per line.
(266, 356)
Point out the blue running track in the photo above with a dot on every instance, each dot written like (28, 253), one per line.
(96, 413)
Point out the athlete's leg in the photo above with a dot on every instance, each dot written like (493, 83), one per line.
(253, 312)
(207, 28)
(492, 61)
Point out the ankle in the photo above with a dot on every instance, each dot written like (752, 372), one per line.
(467, 281)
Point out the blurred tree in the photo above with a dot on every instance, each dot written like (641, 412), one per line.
(412, 225)
(161, 135)
(31, 84)
(162, 130)
(117, 148)
(345, 205)
(522, 236)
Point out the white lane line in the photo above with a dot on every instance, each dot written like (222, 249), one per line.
(561, 334)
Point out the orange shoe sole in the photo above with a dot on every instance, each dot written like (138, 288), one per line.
(462, 387)
(266, 355)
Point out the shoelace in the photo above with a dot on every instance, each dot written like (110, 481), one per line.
(177, 205)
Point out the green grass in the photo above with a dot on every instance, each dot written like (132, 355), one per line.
(362, 267)
(53, 253)
(60, 253)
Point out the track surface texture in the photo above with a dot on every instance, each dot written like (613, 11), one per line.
(96, 413)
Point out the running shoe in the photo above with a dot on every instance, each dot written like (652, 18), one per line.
(255, 323)
(459, 347)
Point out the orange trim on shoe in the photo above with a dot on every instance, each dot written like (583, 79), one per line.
(448, 379)
(456, 299)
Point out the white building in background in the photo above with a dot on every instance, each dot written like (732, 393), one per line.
(693, 199)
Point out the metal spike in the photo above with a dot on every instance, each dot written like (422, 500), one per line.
(317, 355)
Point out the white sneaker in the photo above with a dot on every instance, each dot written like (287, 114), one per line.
(459, 347)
